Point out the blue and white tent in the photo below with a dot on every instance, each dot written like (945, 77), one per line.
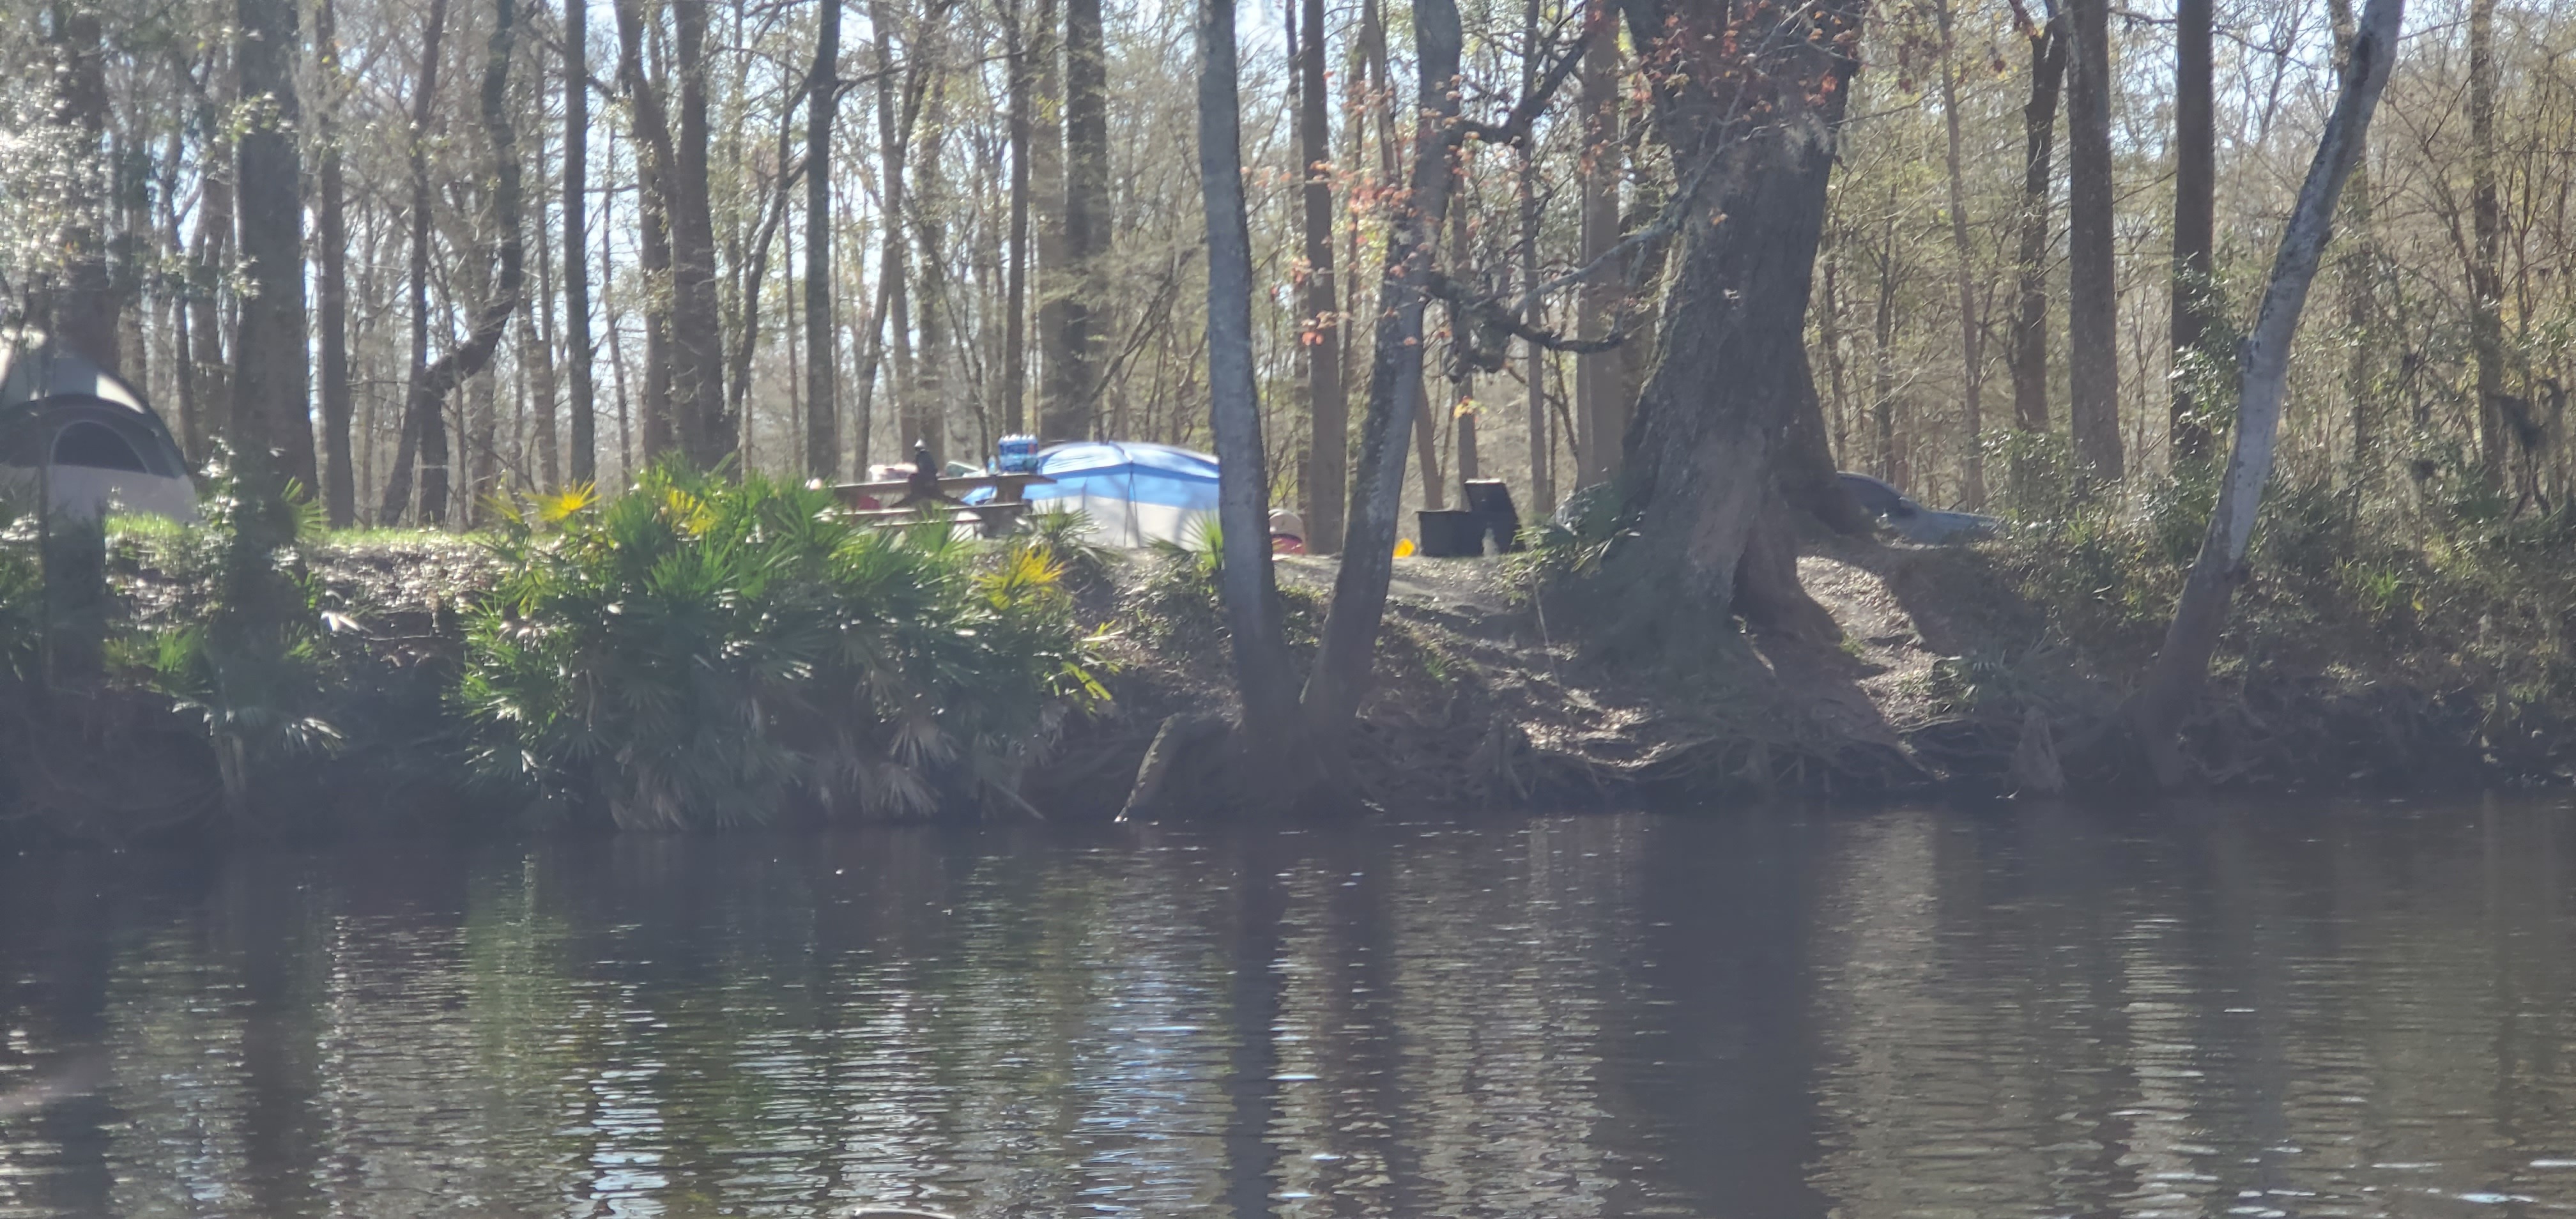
(1134, 493)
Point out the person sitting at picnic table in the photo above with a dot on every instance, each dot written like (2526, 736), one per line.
(1287, 532)
(921, 484)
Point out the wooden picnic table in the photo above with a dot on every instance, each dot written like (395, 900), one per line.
(992, 518)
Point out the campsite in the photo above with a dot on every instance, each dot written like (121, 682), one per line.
(1286, 609)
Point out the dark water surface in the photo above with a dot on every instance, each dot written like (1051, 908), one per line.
(2000, 1011)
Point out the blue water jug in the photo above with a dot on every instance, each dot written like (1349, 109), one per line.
(1019, 455)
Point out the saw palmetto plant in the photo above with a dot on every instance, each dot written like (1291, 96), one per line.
(701, 653)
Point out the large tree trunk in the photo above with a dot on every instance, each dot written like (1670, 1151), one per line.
(1729, 417)
(2486, 226)
(706, 428)
(2174, 682)
(822, 379)
(1972, 329)
(1248, 584)
(1319, 297)
(1072, 372)
(331, 241)
(581, 399)
(2092, 285)
(1600, 409)
(2030, 255)
(85, 308)
(2195, 236)
(271, 377)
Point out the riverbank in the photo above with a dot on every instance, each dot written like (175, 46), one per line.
(1991, 669)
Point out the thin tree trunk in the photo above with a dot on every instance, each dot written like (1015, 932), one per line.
(1542, 453)
(270, 370)
(331, 241)
(581, 398)
(925, 419)
(537, 371)
(431, 383)
(822, 370)
(2174, 682)
(653, 180)
(1972, 355)
(1046, 212)
(1319, 299)
(1249, 586)
(1341, 673)
(895, 120)
(424, 436)
(2048, 50)
(1600, 415)
(2195, 236)
(2093, 293)
(1015, 273)
(2355, 273)
(2486, 220)
(1462, 399)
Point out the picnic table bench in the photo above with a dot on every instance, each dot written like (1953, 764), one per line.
(896, 503)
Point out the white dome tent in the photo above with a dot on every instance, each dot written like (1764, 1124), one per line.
(74, 432)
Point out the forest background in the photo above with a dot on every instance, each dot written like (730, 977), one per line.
(994, 225)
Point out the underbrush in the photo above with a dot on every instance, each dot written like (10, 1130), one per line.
(697, 652)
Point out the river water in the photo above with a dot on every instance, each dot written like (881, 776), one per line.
(2356, 1009)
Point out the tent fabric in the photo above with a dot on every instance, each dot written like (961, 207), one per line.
(108, 449)
(1135, 493)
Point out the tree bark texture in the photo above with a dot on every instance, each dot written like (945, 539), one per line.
(331, 285)
(649, 119)
(272, 379)
(84, 310)
(432, 383)
(1542, 450)
(2195, 235)
(581, 400)
(706, 428)
(2030, 255)
(1752, 110)
(424, 433)
(1072, 379)
(822, 380)
(2486, 225)
(1015, 272)
(1972, 346)
(2173, 683)
(2092, 285)
(1349, 648)
(1600, 410)
(1319, 297)
(1046, 210)
(1247, 582)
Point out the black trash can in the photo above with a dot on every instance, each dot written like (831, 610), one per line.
(1452, 534)
(1491, 501)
